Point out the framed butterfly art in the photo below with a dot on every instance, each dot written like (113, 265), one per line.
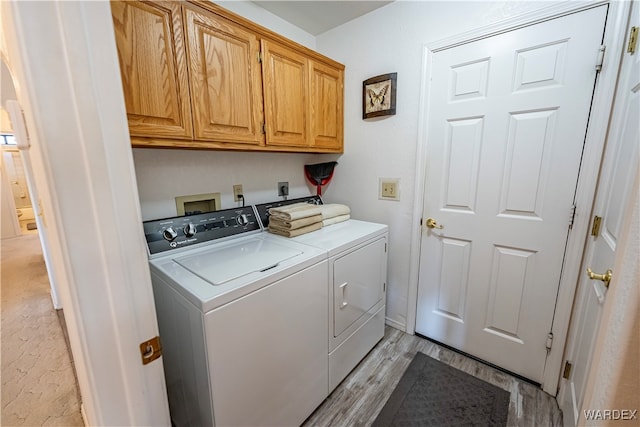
(379, 96)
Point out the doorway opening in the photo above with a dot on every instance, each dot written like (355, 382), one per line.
(39, 382)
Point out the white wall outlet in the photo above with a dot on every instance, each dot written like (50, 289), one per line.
(389, 189)
(237, 192)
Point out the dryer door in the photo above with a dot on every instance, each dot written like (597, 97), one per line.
(358, 283)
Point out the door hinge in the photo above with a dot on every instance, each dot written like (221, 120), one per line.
(567, 370)
(633, 40)
(384, 286)
(595, 228)
(549, 341)
(572, 215)
(385, 248)
(264, 128)
(260, 56)
(600, 60)
(150, 350)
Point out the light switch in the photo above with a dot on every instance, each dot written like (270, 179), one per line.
(389, 189)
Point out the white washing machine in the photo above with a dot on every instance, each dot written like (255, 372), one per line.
(243, 320)
(357, 256)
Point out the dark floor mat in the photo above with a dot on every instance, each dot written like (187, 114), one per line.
(431, 393)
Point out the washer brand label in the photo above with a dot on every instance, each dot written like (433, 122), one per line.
(182, 242)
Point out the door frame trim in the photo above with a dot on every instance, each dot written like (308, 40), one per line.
(587, 180)
(81, 150)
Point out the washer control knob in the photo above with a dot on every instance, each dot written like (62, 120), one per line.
(189, 230)
(242, 219)
(169, 234)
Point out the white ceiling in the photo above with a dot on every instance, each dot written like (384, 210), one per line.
(316, 17)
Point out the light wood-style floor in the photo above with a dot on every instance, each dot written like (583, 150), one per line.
(360, 397)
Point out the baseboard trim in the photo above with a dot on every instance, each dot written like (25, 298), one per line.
(394, 324)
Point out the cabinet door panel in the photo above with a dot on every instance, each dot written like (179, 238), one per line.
(285, 94)
(225, 79)
(358, 283)
(150, 42)
(326, 101)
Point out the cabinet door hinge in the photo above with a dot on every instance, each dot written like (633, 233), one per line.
(572, 215)
(600, 60)
(150, 350)
(259, 56)
(549, 341)
(264, 128)
(633, 40)
(566, 374)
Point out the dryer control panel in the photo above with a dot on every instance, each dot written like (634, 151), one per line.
(174, 233)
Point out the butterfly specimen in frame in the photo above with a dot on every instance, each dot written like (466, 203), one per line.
(379, 96)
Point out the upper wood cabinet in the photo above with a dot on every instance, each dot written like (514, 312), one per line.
(197, 76)
(226, 84)
(326, 106)
(286, 100)
(303, 100)
(153, 67)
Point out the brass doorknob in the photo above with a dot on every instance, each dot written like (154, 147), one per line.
(431, 223)
(606, 277)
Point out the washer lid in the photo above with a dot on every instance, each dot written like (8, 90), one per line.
(218, 266)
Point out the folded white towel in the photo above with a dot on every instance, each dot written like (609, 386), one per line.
(297, 231)
(296, 223)
(294, 211)
(334, 209)
(335, 220)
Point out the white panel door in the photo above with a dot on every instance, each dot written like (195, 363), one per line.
(506, 128)
(620, 166)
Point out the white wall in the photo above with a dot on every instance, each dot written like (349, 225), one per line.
(386, 40)
(9, 226)
(389, 39)
(164, 174)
